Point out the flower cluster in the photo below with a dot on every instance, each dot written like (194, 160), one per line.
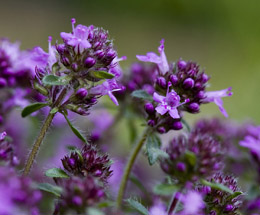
(17, 194)
(76, 68)
(6, 151)
(78, 194)
(16, 69)
(192, 157)
(178, 87)
(86, 162)
(222, 202)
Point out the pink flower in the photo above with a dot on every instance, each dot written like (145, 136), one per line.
(78, 38)
(168, 103)
(215, 96)
(161, 60)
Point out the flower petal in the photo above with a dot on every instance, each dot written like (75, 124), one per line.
(174, 113)
(161, 109)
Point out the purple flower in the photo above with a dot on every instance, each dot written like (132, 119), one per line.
(78, 194)
(192, 203)
(215, 96)
(17, 194)
(161, 60)
(252, 141)
(106, 88)
(78, 38)
(158, 209)
(168, 103)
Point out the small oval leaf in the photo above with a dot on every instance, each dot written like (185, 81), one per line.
(56, 173)
(32, 108)
(75, 131)
(138, 206)
(102, 74)
(142, 94)
(54, 80)
(50, 188)
(217, 186)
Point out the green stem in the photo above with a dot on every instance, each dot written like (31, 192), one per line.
(37, 144)
(128, 168)
(42, 134)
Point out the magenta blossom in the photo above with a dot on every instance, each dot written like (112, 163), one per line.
(168, 103)
(161, 60)
(192, 203)
(215, 96)
(252, 141)
(78, 38)
(158, 209)
(106, 88)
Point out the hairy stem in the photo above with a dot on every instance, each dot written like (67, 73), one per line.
(42, 134)
(37, 144)
(128, 168)
(174, 203)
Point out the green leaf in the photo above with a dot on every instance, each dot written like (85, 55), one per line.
(75, 131)
(138, 183)
(234, 195)
(54, 110)
(94, 211)
(56, 173)
(50, 188)
(185, 123)
(54, 80)
(153, 149)
(142, 94)
(217, 186)
(165, 189)
(106, 204)
(190, 157)
(102, 74)
(137, 206)
(32, 108)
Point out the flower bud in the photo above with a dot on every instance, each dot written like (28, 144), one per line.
(151, 122)
(89, 62)
(161, 82)
(3, 82)
(177, 125)
(100, 54)
(188, 83)
(174, 79)
(161, 130)
(194, 107)
(82, 93)
(181, 166)
(182, 64)
(149, 108)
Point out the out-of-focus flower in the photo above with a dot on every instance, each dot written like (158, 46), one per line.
(17, 195)
(6, 151)
(78, 194)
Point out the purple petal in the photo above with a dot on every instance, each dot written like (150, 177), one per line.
(158, 98)
(150, 57)
(113, 98)
(161, 109)
(174, 113)
(219, 103)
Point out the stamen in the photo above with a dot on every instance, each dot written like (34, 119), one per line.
(73, 21)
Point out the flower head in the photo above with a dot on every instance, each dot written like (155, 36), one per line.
(78, 194)
(86, 162)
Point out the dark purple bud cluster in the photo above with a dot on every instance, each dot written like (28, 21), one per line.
(6, 151)
(77, 66)
(86, 162)
(86, 49)
(221, 202)
(78, 194)
(189, 82)
(178, 87)
(17, 193)
(16, 68)
(192, 157)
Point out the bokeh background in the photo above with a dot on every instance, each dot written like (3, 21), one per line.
(222, 36)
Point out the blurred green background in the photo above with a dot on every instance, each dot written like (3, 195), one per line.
(223, 36)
